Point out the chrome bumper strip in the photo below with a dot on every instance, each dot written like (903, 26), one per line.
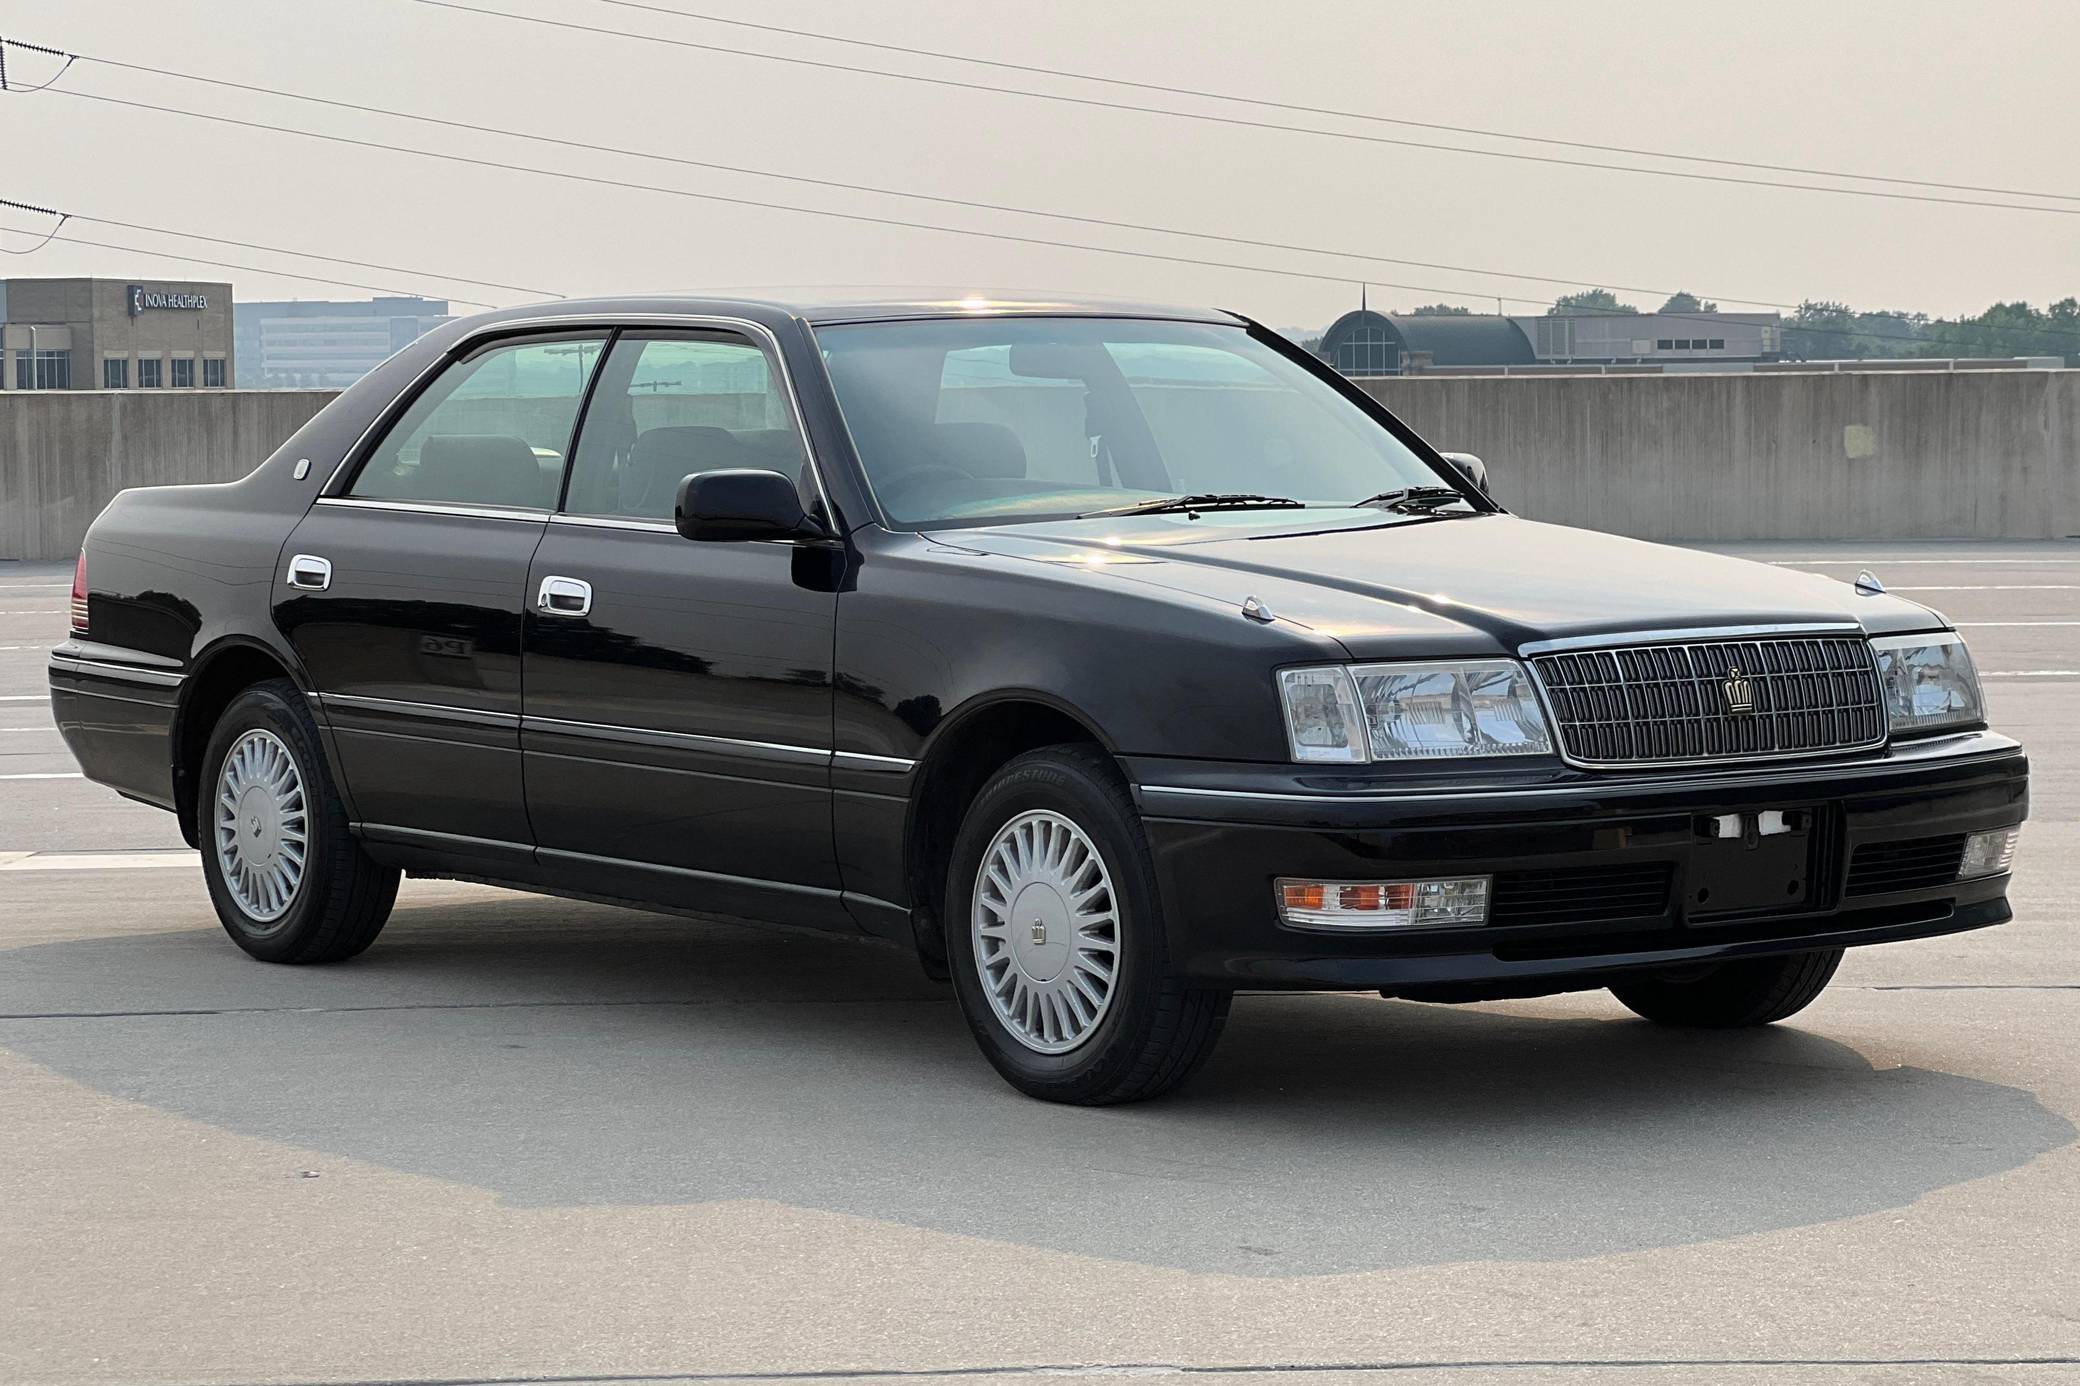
(1609, 786)
(126, 673)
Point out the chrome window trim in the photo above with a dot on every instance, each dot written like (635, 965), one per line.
(860, 760)
(440, 712)
(462, 346)
(157, 678)
(564, 517)
(662, 527)
(608, 731)
(472, 512)
(608, 323)
(770, 340)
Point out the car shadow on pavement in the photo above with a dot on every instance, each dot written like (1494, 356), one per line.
(561, 1054)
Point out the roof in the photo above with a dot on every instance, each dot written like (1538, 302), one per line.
(832, 305)
(1466, 339)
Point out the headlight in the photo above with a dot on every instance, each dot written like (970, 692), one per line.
(1927, 682)
(1437, 711)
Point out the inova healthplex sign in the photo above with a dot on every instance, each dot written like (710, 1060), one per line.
(144, 300)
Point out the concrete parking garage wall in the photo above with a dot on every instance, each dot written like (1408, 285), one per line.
(63, 454)
(1892, 455)
(1978, 455)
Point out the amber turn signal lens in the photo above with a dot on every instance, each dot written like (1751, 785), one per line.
(1438, 904)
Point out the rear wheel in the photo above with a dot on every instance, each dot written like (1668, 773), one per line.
(1733, 995)
(1054, 938)
(289, 882)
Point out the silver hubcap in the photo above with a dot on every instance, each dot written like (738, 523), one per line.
(1046, 931)
(263, 827)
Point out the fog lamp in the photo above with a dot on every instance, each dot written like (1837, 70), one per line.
(1445, 904)
(1989, 853)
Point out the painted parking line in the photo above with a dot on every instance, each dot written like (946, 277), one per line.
(47, 775)
(2001, 587)
(98, 861)
(24, 697)
(27, 647)
(2029, 673)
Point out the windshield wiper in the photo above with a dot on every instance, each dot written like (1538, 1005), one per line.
(1416, 499)
(1206, 500)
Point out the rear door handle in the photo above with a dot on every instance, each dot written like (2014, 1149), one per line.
(564, 596)
(310, 573)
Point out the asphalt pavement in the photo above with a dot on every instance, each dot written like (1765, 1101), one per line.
(526, 1139)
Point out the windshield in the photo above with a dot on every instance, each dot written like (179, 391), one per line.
(970, 421)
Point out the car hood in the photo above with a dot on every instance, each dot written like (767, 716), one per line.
(1463, 583)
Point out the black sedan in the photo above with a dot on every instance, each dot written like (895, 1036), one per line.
(1111, 658)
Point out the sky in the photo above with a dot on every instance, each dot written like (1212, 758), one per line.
(1981, 94)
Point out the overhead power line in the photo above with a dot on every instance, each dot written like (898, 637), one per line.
(902, 223)
(1242, 122)
(1337, 112)
(1316, 276)
(54, 235)
(974, 204)
(1345, 279)
(967, 203)
(332, 259)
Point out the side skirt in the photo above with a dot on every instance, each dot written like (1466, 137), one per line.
(611, 881)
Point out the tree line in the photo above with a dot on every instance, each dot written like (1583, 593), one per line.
(1820, 330)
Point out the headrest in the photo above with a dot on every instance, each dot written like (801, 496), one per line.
(983, 450)
(663, 457)
(486, 469)
(776, 444)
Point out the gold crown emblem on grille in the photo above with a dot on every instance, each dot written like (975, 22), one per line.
(1740, 694)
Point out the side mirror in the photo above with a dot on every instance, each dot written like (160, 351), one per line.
(742, 503)
(1470, 467)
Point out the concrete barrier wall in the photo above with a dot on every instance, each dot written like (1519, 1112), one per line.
(1993, 455)
(1969, 455)
(63, 454)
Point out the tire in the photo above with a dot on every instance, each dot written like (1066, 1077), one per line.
(1148, 1031)
(1734, 995)
(340, 899)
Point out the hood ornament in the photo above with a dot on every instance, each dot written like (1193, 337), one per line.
(1740, 693)
(1257, 611)
(1867, 584)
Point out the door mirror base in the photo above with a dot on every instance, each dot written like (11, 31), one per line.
(741, 503)
(1470, 467)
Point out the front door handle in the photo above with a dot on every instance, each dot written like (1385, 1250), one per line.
(310, 573)
(564, 596)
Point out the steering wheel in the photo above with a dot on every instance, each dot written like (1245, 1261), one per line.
(912, 477)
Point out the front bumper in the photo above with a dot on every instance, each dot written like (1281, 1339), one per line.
(1222, 833)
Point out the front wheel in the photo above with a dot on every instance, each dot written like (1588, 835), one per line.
(1733, 995)
(1054, 938)
(289, 882)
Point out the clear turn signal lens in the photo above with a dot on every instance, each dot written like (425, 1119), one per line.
(1989, 853)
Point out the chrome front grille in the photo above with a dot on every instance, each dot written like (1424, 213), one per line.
(1706, 700)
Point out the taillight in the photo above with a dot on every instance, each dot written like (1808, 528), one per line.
(79, 595)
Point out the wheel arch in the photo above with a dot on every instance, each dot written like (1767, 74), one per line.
(964, 751)
(226, 668)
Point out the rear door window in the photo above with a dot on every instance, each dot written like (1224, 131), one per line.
(492, 430)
